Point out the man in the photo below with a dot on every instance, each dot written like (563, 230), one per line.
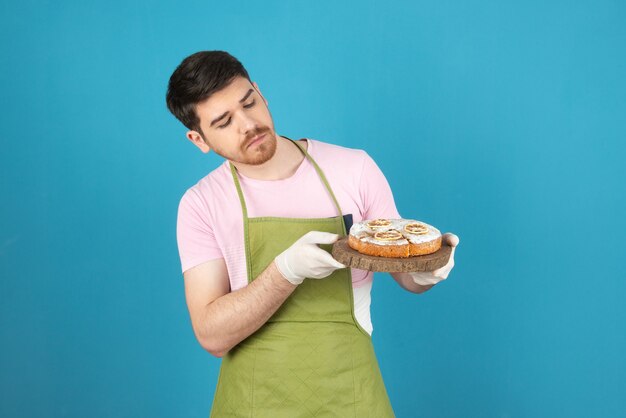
(291, 324)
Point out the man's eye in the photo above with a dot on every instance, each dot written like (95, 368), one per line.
(228, 121)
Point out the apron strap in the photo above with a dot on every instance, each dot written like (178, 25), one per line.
(322, 176)
(233, 171)
(246, 241)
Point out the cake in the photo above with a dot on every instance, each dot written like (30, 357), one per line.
(394, 238)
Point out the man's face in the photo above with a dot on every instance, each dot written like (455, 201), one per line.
(232, 121)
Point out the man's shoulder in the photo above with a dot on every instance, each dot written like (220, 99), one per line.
(337, 153)
(207, 185)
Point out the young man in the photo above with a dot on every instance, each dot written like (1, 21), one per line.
(291, 324)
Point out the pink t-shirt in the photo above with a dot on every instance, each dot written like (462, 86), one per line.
(210, 219)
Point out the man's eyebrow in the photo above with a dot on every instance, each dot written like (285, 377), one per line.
(217, 119)
(246, 96)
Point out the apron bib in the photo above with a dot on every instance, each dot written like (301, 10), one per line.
(311, 359)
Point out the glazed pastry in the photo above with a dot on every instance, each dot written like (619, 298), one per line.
(394, 238)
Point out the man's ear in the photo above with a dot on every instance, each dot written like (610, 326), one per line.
(258, 90)
(196, 139)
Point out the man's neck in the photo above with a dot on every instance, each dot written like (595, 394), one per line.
(282, 165)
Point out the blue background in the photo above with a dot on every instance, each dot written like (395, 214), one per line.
(503, 122)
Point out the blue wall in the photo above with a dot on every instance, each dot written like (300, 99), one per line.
(502, 122)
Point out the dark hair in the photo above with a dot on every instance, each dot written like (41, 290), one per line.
(196, 78)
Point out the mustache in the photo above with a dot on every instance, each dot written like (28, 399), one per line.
(251, 136)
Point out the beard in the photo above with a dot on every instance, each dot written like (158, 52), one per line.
(259, 153)
(252, 155)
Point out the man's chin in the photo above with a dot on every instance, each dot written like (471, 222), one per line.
(263, 153)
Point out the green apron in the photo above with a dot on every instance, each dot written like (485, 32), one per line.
(311, 358)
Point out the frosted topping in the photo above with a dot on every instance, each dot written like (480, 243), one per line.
(410, 229)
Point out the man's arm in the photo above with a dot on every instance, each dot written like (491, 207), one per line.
(406, 282)
(221, 319)
(419, 282)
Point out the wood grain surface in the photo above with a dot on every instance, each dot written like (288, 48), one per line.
(343, 253)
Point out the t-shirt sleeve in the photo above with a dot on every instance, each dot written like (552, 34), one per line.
(194, 233)
(376, 193)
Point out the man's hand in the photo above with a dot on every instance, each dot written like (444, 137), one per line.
(305, 259)
(430, 278)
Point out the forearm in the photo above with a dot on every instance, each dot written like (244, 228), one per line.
(407, 283)
(231, 318)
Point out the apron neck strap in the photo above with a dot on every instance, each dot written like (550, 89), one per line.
(233, 171)
(322, 176)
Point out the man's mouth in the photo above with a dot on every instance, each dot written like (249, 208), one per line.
(256, 140)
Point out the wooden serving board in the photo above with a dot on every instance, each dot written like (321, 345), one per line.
(343, 253)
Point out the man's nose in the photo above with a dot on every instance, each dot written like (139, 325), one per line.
(246, 123)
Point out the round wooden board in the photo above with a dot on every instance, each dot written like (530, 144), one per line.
(345, 255)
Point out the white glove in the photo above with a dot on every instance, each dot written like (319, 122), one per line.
(429, 278)
(305, 259)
